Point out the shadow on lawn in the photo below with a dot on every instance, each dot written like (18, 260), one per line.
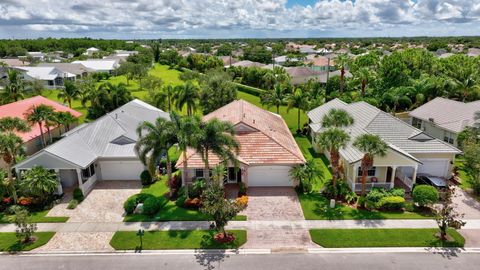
(212, 254)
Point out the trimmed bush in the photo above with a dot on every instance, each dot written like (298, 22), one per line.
(146, 178)
(78, 194)
(249, 89)
(400, 192)
(425, 195)
(151, 206)
(131, 203)
(72, 204)
(392, 203)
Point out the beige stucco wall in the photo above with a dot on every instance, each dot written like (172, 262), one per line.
(437, 132)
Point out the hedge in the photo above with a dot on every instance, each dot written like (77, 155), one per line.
(249, 89)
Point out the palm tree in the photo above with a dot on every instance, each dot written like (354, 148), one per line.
(332, 140)
(187, 95)
(216, 137)
(364, 76)
(65, 119)
(275, 97)
(371, 145)
(269, 79)
(163, 99)
(68, 93)
(467, 88)
(306, 174)
(342, 61)
(337, 118)
(153, 140)
(11, 146)
(299, 100)
(14, 88)
(39, 182)
(39, 115)
(186, 131)
(86, 89)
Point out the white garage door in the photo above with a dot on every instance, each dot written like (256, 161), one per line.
(268, 176)
(435, 167)
(121, 170)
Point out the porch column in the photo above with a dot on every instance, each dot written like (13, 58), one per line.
(414, 180)
(355, 173)
(79, 178)
(59, 186)
(392, 177)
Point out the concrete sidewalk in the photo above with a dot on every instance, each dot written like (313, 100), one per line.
(245, 225)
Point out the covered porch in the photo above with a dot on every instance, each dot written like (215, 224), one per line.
(386, 177)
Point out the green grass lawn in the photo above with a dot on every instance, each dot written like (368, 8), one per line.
(35, 217)
(169, 212)
(8, 241)
(320, 160)
(349, 238)
(462, 174)
(169, 76)
(196, 239)
(316, 207)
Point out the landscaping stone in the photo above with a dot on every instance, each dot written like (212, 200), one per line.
(138, 209)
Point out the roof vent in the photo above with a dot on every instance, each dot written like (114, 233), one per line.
(431, 120)
(254, 121)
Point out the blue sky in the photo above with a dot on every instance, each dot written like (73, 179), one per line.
(129, 19)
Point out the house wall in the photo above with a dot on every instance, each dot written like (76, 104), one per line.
(436, 131)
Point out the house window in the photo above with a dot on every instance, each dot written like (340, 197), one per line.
(448, 137)
(371, 172)
(198, 173)
(88, 172)
(417, 123)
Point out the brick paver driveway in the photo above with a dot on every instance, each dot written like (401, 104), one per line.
(103, 204)
(276, 203)
(466, 204)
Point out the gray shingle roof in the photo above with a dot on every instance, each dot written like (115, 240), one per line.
(105, 137)
(400, 136)
(448, 114)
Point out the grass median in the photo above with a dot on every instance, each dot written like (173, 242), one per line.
(9, 242)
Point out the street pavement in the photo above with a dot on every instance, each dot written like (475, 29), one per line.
(209, 261)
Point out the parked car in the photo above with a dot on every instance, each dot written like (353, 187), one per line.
(438, 182)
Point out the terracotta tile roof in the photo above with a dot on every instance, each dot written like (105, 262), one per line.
(320, 61)
(19, 108)
(263, 136)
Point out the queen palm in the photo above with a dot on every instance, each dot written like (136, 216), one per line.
(218, 138)
(186, 130)
(11, 146)
(153, 140)
(364, 76)
(275, 97)
(337, 118)
(299, 100)
(15, 87)
(187, 95)
(467, 88)
(68, 93)
(371, 145)
(342, 61)
(269, 79)
(39, 115)
(163, 98)
(332, 140)
(65, 119)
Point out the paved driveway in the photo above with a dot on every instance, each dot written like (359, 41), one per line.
(273, 203)
(466, 204)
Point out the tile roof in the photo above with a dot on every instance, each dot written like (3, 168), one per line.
(400, 136)
(99, 64)
(247, 63)
(14, 62)
(77, 69)
(448, 114)
(101, 138)
(19, 108)
(263, 136)
(43, 73)
(320, 61)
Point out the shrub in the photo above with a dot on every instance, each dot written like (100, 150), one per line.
(72, 204)
(194, 203)
(78, 194)
(13, 209)
(146, 178)
(400, 192)
(131, 203)
(409, 206)
(391, 203)
(24, 230)
(425, 195)
(151, 206)
(242, 201)
(196, 188)
(25, 201)
(375, 195)
(180, 202)
(242, 189)
(342, 189)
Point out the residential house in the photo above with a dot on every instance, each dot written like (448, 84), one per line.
(77, 69)
(100, 65)
(32, 139)
(410, 151)
(320, 63)
(301, 75)
(267, 148)
(38, 56)
(473, 52)
(91, 51)
(247, 63)
(51, 77)
(125, 53)
(444, 118)
(228, 60)
(99, 150)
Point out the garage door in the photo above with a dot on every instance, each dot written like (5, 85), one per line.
(268, 176)
(435, 167)
(121, 170)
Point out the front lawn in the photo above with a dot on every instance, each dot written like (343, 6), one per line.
(349, 238)
(464, 184)
(8, 241)
(35, 217)
(316, 207)
(154, 240)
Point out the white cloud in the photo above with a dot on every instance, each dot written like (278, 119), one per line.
(215, 18)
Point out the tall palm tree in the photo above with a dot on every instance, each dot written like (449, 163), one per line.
(39, 115)
(269, 79)
(299, 100)
(154, 140)
(332, 140)
(216, 137)
(342, 61)
(68, 93)
(364, 76)
(86, 89)
(467, 88)
(11, 146)
(275, 97)
(337, 118)
(65, 119)
(163, 98)
(186, 131)
(371, 145)
(14, 88)
(187, 95)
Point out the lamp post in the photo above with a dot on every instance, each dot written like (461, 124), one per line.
(140, 234)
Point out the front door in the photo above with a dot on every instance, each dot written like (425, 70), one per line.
(234, 175)
(389, 174)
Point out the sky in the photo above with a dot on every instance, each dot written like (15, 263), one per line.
(139, 19)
